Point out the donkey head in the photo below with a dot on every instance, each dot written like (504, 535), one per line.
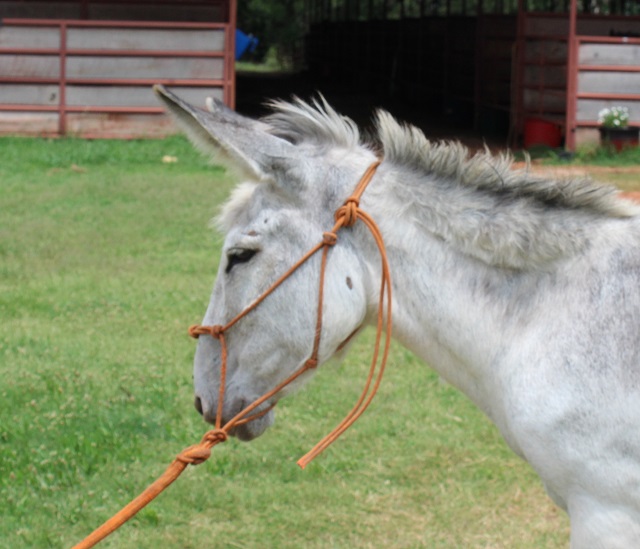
(293, 183)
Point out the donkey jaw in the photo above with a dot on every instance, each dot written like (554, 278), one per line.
(254, 428)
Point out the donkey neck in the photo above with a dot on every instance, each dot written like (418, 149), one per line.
(450, 312)
(455, 309)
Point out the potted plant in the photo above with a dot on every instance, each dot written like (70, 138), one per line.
(615, 130)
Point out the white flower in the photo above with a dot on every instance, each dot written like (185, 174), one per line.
(614, 117)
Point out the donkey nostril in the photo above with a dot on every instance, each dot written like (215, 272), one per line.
(198, 404)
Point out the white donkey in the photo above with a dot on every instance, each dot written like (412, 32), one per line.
(521, 291)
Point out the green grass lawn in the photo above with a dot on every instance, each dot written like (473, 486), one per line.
(105, 259)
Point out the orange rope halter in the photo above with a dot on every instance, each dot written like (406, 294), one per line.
(346, 216)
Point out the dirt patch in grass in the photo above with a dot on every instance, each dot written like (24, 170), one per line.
(576, 171)
(626, 178)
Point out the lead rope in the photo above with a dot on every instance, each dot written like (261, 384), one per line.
(346, 216)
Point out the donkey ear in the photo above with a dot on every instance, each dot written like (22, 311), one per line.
(237, 142)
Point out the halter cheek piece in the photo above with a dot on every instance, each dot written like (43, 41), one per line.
(346, 216)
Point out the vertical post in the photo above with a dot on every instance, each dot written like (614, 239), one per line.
(517, 77)
(445, 102)
(477, 74)
(62, 81)
(572, 79)
(230, 57)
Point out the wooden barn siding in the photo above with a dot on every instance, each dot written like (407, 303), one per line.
(103, 70)
(610, 73)
(146, 39)
(544, 66)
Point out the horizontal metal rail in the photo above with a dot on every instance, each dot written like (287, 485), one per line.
(203, 82)
(112, 53)
(82, 23)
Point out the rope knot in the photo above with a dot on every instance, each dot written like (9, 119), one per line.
(201, 452)
(348, 212)
(197, 330)
(194, 455)
(215, 436)
(311, 363)
(329, 238)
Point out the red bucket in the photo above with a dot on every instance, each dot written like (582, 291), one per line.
(541, 132)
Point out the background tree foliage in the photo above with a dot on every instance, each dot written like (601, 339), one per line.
(279, 25)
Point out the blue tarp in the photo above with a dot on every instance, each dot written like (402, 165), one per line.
(244, 42)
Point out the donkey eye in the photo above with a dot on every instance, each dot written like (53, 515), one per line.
(237, 256)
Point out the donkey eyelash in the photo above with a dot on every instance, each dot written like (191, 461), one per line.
(238, 256)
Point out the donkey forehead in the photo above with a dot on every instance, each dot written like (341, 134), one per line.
(262, 206)
(252, 232)
(254, 213)
(233, 210)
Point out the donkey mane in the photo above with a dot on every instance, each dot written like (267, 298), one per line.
(316, 122)
(405, 145)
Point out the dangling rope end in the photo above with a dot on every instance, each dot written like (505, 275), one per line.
(312, 454)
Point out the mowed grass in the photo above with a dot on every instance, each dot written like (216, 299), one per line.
(105, 259)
